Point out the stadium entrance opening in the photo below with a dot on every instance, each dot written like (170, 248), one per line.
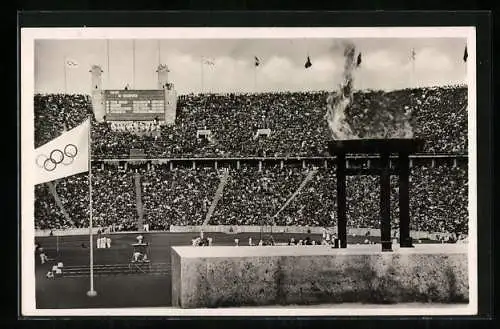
(382, 149)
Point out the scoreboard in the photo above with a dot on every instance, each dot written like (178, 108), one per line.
(128, 102)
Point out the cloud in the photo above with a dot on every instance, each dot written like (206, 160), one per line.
(432, 59)
(277, 69)
(184, 72)
(325, 65)
(380, 60)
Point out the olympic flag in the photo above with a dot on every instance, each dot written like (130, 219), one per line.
(64, 156)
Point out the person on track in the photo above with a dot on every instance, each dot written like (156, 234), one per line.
(43, 256)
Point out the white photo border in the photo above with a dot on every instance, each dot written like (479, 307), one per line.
(30, 35)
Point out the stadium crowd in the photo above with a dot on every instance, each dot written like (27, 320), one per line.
(178, 197)
(183, 196)
(296, 121)
(56, 113)
(113, 201)
(251, 196)
(298, 128)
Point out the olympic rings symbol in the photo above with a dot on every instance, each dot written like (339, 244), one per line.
(56, 157)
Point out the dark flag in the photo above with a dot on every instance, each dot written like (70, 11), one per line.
(257, 61)
(358, 61)
(308, 63)
(466, 54)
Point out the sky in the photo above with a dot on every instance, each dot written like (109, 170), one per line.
(386, 64)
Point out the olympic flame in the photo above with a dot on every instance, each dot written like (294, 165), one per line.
(337, 103)
(388, 124)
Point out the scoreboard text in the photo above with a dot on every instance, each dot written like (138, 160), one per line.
(134, 102)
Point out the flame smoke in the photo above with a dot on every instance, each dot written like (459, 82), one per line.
(337, 103)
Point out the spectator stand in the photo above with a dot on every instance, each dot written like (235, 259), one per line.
(176, 194)
(176, 162)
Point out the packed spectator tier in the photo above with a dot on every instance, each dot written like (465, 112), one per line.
(296, 121)
(438, 202)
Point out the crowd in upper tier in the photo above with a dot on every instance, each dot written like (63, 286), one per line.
(250, 197)
(296, 121)
(56, 113)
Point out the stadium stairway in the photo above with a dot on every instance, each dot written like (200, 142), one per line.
(218, 195)
(138, 202)
(117, 269)
(53, 191)
(306, 180)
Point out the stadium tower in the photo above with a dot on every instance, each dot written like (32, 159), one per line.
(170, 93)
(97, 93)
(162, 76)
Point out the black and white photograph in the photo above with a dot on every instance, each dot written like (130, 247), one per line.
(248, 171)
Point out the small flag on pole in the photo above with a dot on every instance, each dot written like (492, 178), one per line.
(257, 61)
(358, 61)
(413, 54)
(466, 54)
(208, 61)
(308, 63)
(71, 63)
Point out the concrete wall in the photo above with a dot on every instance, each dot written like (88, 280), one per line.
(236, 276)
(243, 229)
(290, 229)
(66, 232)
(98, 105)
(170, 106)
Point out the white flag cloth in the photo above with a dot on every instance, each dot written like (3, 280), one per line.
(64, 156)
(71, 63)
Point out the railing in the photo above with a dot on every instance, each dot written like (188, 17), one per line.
(280, 158)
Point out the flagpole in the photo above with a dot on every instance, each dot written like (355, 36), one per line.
(91, 292)
(65, 79)
(412, 57)
(307, 71)
(255, 78)
(133, 64)
(413, 72)
(159, 52)
(107, 63)
(201, 62)
(209, 89)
